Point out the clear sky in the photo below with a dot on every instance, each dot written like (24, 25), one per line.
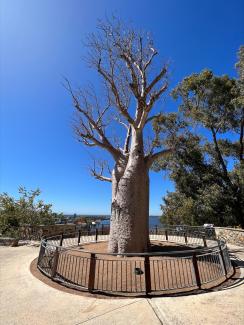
(41, 41)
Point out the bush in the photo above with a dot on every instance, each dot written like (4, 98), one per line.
(27, 209)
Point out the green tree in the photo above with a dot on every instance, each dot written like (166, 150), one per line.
(27, 209)
(207, 165)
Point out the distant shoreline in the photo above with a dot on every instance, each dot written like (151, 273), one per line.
(76, 215)
(105, 219)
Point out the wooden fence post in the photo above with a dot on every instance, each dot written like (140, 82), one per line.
(196, 270)
(92, 271)
(147, 275)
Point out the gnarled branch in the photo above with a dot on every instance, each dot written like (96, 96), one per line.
(91, 129)
(127, 141)
(151, 158)
(151, 118)
(99, 174)
(119, 104)
(159, 77)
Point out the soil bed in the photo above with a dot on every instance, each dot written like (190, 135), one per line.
(156, 246)
(168, 273)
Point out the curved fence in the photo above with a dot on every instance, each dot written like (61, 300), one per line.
(199, 261)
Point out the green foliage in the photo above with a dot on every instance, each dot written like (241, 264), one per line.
(207, 163)
(26, 210)
(179, 209)
(208, 100)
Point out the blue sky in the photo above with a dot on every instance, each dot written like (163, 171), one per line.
(41, 41)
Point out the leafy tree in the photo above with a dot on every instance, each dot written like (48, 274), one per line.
(26, 210)
(207, 166)
(124, 59)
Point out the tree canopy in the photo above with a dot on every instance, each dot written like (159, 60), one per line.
(132, 81)
(207, 166)
(26, 210)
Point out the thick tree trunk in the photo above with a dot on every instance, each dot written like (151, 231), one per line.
(129, 213)
(129, 230)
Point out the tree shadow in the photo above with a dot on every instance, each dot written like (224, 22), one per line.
(172, 249)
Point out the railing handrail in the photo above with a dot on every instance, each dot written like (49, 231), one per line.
(200, 250)
(206, 263)
(197, 250)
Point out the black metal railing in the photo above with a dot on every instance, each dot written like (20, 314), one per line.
(201, 262)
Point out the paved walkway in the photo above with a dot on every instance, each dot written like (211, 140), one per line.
(25, 300)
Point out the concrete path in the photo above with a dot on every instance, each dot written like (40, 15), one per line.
(25, 300)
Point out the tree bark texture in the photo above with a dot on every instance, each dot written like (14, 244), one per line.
(129, 227)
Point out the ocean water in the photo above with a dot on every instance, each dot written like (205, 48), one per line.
(153, 221)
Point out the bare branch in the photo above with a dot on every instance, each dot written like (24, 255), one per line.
(151, 118)
(155, 95)
(144, 108)
(151, 158)
(123, 58)
(90, 129)
(154, 53)
(134, 84)
(99, 175)
(118, 119)
(159, 77)
(127, 141)
(153, 98)
(110, 80)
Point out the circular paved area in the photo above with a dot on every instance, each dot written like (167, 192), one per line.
(26, 300)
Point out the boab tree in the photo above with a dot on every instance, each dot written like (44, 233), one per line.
(123, 58)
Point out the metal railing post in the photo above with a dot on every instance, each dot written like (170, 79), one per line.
(204, 241)
(196, 270)
(42, 249)
(61, 240)
(208, 263)
(166, 234)
(78, 237)
(92, 270)
(185, 235)
(148, 288)
(55, 263)
(222, 260)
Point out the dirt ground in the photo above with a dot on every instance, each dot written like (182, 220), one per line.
(127, 275)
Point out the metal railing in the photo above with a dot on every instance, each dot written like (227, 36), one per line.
(202, 262)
